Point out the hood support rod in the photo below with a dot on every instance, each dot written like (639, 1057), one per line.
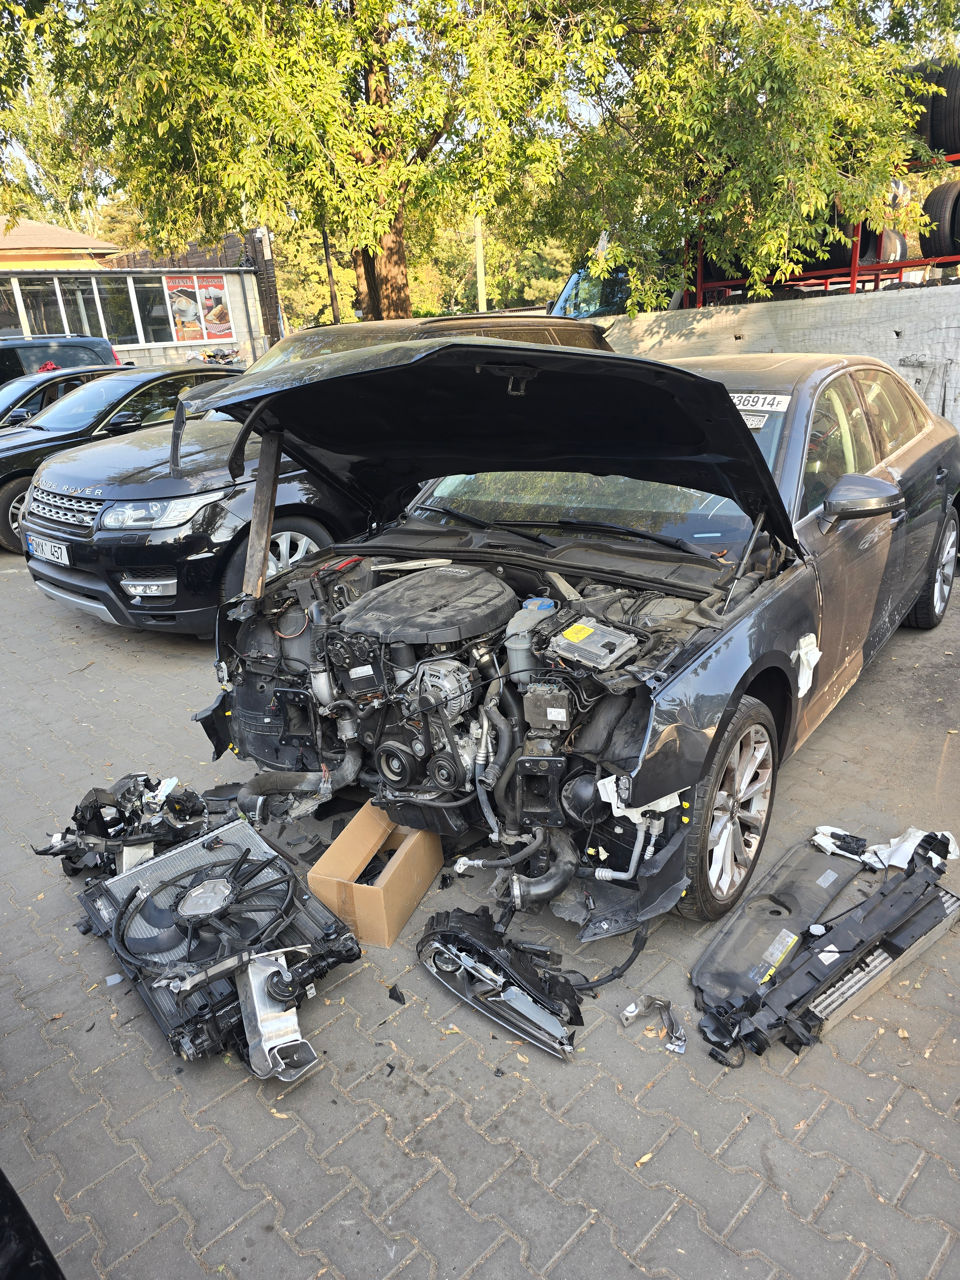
(264, 499)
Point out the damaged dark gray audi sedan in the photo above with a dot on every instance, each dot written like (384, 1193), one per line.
(582, 651)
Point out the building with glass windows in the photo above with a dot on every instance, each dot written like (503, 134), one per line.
(54, 281)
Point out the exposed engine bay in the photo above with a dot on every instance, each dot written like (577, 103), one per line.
(498, 707)
(462, 700)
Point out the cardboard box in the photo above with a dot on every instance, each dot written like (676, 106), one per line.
(376, 912)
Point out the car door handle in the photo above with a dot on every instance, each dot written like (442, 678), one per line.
(941, 475)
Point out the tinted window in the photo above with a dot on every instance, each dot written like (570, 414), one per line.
(890, 408)
(62, 355)
(840, 442)
(10, 366)
(157, 402)
(83, 406)
(583, 295)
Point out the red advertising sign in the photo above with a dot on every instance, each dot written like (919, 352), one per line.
(184, 308)
(215, 308)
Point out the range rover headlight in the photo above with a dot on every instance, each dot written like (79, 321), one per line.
(164, 513)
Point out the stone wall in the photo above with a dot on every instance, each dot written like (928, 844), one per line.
(916, 330)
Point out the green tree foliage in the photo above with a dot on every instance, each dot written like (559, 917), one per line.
(337, 111)
(760, 131)
(49, 159)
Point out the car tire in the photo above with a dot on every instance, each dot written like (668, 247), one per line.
(11, 506)
(931, 604)
(945, 112)
(731, 812)
(940, 207)
(291, 538)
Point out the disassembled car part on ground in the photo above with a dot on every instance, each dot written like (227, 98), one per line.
(223, 943)
(797, 954)
(118, 826)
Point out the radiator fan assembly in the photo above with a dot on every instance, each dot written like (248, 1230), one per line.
(223, 943)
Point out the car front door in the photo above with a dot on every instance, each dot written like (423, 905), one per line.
(905, 439)
(857, 562)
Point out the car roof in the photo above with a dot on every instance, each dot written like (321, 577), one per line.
(27, 380)
(770, 370)
(21, 339)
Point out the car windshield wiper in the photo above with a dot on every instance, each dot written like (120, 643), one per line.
(477, 523)
(604, 526)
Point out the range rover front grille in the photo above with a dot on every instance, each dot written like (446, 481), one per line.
(65, 508)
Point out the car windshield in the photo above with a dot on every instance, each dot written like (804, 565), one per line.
(548, 500)
(584, 295)
(11, 392)
(323, 341)
(559, 500)
(79, 408)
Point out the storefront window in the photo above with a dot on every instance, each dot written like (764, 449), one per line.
(117, 311)
(41, 305)
(79, 305)
(9, 317)
(152, 302)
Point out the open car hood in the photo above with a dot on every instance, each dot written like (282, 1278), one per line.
(379, 421)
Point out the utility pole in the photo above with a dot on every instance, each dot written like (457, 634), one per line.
(481, 269)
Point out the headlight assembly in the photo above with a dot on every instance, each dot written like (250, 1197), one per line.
(158, 514)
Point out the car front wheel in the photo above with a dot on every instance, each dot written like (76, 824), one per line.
(931, 603)
(291, 540)
(731, 812)
(12, 497)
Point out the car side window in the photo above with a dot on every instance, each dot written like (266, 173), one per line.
(891, 411)
(157, 402)
(840, 442)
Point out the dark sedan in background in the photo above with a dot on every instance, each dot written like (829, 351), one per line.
(23, 398)
(123, 402)
(115, 530)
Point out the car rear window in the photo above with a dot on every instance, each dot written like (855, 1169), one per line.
(62, 354)
(10, 366)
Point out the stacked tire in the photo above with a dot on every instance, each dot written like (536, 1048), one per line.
(939, 123)
(942, 207)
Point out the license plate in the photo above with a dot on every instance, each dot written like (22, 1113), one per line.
(44, 549)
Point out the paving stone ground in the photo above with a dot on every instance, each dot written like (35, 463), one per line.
(427, 1145)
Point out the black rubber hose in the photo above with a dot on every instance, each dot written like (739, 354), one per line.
(494, 770)
(278, 783)
(533, 846)
(527, 890)
(639, 942)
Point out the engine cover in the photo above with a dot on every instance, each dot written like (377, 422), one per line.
(444, 605)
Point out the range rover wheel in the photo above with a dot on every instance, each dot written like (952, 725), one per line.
(292, 538)
(11, 508)
(731, 812)
(931, 603)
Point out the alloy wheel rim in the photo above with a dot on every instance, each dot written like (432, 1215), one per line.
(16, 511)
(740, 811)
(288, 549)
(945, 571)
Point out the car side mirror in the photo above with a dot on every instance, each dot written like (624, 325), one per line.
(17, 417)
(854, 497)
(125, 420)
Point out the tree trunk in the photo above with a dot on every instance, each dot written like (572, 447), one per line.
(391, 271)
(366, 277)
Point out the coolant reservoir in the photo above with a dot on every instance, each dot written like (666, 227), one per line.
(520, 661)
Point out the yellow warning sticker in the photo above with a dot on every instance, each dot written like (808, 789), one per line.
(577, 632)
